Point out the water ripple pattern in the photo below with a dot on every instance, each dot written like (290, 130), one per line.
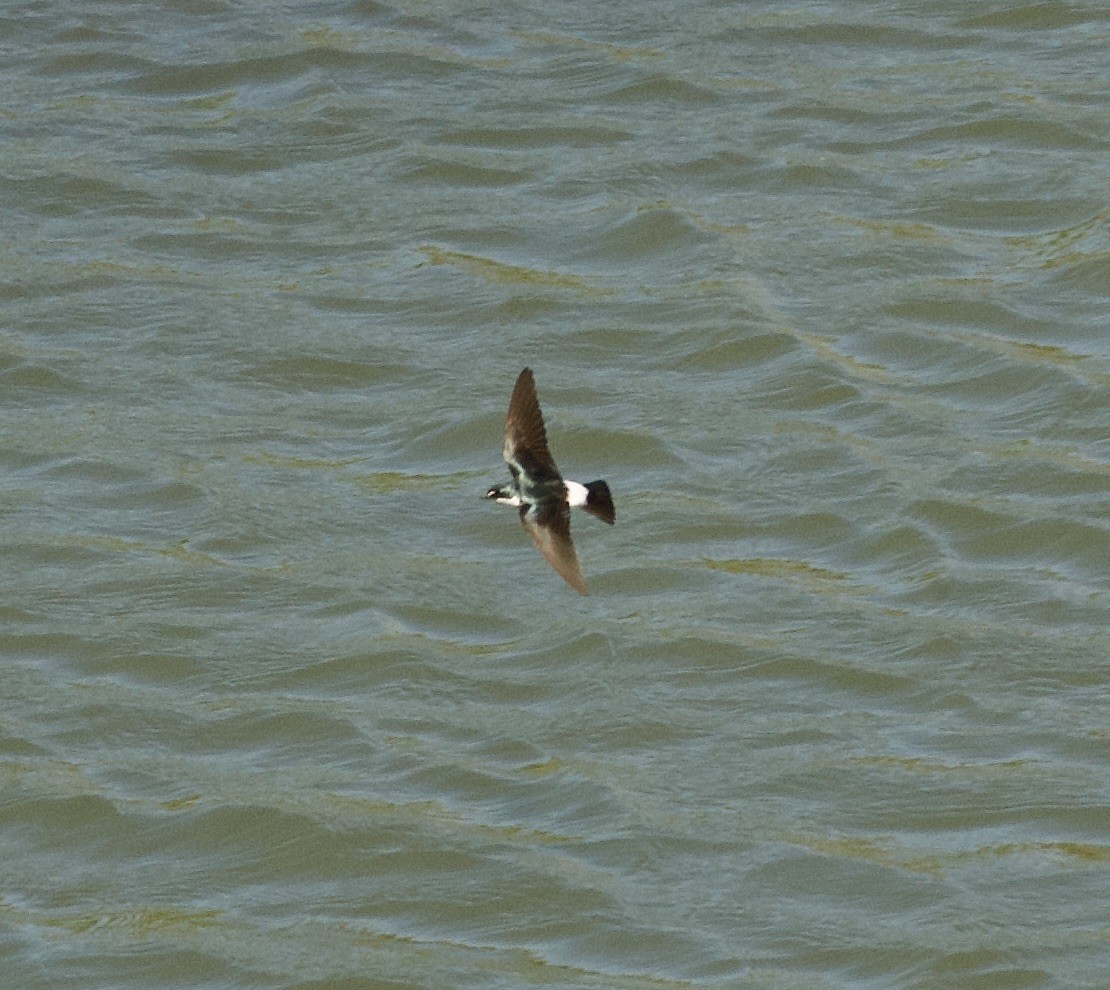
(821, 291)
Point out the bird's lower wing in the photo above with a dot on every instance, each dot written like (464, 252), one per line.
(554, 542)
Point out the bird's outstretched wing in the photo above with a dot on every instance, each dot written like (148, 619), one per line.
(525, 446)
(549, 527)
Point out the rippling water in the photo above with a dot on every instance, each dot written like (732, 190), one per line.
(821, 290)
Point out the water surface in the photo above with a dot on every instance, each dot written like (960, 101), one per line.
(820, 290)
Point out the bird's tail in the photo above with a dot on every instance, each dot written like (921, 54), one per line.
(599, 502)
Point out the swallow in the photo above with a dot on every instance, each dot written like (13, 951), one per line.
(543, 497)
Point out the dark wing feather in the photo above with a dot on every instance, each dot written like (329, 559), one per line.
(525, 438)
(550, 531)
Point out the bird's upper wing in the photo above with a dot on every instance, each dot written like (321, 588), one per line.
(525, 446)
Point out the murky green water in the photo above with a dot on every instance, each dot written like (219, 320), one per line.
(821, 290)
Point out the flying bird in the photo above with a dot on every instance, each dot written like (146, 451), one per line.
(542, 495)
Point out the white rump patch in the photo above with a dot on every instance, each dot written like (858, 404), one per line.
(576, 493)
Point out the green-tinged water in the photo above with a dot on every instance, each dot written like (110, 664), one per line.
(820, 289)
